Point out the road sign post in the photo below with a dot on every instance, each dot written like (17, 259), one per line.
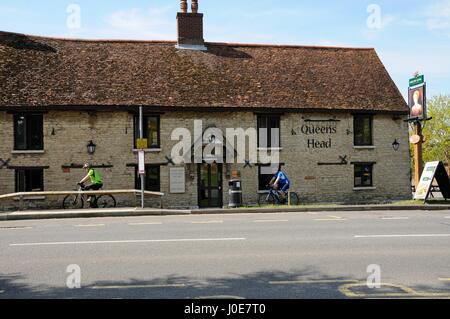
(141, 156)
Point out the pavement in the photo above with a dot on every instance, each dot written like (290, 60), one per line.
(295, 255)
(133, 211)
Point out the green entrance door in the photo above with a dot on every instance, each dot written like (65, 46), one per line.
(210, 185)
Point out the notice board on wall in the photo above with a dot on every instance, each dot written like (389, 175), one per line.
(177, 180)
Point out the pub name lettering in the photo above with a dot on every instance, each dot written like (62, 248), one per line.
(319, 129)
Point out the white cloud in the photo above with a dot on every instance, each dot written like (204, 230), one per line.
(438, 16)
(6, 12)
(283, 13)
(152, 24)
(386, 20)
(411, 23)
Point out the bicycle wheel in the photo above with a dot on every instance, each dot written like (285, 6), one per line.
(106, 201)
(266, 199)
(73, 202)
(294, 200)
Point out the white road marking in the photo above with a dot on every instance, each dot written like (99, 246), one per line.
(139, 286)
(312, 213)
(142, 224)
(271, 221)
(127, 241)
(444, 279)
(329, 219)
(402, 236)
(2, 291)
(448, 217)
(16, 228)
(301, 282)
(208, 222)
(93, 225)
(395, 218)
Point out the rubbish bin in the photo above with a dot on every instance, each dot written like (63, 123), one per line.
(235, 193)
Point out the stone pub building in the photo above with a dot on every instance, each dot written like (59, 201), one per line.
(341, 118)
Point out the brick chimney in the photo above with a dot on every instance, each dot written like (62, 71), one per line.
(190, 27)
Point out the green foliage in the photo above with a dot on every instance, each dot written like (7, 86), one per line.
(437, 131)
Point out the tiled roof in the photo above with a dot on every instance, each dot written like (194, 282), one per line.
(38, 71)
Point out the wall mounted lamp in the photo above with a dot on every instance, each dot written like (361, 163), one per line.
(396, 145)
(91, 148)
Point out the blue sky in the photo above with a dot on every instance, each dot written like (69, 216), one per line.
(409, 35)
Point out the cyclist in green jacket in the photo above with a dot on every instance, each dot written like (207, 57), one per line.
(94, 177)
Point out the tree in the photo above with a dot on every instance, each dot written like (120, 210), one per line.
(437, 131)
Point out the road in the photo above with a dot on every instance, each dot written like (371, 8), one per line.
(289, 256)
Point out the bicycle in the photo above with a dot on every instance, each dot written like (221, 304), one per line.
(273, 197)
(76, 201)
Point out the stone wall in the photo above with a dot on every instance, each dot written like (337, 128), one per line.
(66, 134)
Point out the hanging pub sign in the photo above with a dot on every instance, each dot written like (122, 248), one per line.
(432, 171)
(417, 98)
(418, 80)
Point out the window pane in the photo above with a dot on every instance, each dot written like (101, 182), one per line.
(363, 175)
(152, 129)
(35, 131)
(20, 181)
(153, 180)
(29, 180)
(274, 123)
(20, 132)
(366, 131)
(35, 181)
(265, 134)
(263, 179)
(363, 130)
(367, 176)
(28, 132)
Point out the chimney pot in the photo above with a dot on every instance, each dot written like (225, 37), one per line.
(194, 6)
(184, 6)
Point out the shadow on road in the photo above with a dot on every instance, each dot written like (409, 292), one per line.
(259, 285)
(301, 284)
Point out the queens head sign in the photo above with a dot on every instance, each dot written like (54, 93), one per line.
(417, 99)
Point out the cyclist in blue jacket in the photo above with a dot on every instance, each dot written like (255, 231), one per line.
(280, 182)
